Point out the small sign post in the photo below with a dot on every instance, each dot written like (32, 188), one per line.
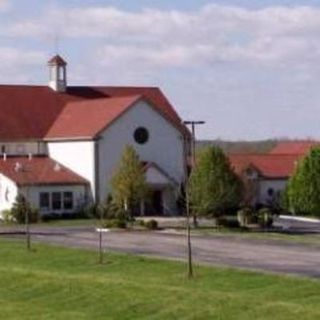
(101, 231)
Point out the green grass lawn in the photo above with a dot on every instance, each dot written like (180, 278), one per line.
(59, 283)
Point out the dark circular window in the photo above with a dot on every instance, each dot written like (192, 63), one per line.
(141, 135)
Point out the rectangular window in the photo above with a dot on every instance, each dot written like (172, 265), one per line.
(56, 200)
(68, 200)
(44, 200)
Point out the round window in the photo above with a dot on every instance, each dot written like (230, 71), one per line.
(141, 135)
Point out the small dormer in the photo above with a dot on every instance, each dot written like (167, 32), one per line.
(57, 74)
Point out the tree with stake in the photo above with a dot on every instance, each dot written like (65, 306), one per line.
(214, 187)
(303, 189)
(129, 185)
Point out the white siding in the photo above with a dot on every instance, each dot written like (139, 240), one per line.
(8, 193)
(153, 176)
(278, 185)
(32, 193)
(76, 155)
(165, 145)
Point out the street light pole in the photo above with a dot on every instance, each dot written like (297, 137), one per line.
(193, 124)
(190, 268)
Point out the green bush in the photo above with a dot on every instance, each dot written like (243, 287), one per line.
(151, 224)
(115, 223)
(21, 208)
(265, 217)
(227, 223)
(141, 223)
(7, 215)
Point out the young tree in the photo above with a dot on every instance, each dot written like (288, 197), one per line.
(129, 185)
(303, 189)
(22, 210)
(213, 185)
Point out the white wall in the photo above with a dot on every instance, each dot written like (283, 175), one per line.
(23, 148)
(275, 184)
(76, 155)
(8, 193)
(32, 194)
(165, 145)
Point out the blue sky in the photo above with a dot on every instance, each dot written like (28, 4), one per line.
(251, 69)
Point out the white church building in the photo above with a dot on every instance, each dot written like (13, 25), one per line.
(60, 144)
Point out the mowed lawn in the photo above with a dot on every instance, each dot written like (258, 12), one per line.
(59, 283)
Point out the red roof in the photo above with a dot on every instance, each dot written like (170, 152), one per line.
(31, 112)
(103, 112)
(294, 147)
(38, 170)
(269, 165)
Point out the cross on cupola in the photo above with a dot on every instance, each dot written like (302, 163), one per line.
(57, 74)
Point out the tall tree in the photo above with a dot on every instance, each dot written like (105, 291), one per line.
(213, 185)
(129, 185)
(303, 189)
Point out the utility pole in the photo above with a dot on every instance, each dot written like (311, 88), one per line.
(193, 144)
(193, 124)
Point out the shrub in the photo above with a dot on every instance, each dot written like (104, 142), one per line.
(151, 224)
(245, 216)
(115, 223)
(265, 217)
(141, 223)
(88, 211)
(227, 223)
(6, 216)
(21, 207)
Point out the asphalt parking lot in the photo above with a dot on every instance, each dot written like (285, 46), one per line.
(256, 254)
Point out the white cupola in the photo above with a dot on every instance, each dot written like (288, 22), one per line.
(57, 74)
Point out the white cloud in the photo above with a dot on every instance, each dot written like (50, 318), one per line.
(16, 58)
(16, 65)
(4, 5)
(176, 38)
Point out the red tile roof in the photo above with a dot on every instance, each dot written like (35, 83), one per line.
(76, 121)
(269, 165)
(29, 112)
(38, 170)
(294, 147)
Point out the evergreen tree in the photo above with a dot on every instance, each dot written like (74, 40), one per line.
(213, 186)
(303, 190)
(129, 186)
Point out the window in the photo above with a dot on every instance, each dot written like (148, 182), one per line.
(60, 73)
(44, 200)
(68, 200)
(56, 200)
(141, 135)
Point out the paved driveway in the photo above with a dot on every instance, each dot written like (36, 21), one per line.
(270, 255)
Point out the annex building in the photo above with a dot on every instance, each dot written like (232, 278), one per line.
(266, 175)
(61, 144)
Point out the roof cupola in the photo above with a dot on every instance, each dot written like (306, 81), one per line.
(57, 74)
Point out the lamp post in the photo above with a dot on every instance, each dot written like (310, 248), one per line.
(193, 124)
(193, 144)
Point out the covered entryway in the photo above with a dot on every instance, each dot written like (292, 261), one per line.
(163, 192)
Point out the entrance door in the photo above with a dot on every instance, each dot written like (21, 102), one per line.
(157, 204)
